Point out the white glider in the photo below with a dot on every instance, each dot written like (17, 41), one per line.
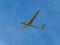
(31, 21)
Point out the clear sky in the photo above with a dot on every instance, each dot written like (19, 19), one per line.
(12, 12)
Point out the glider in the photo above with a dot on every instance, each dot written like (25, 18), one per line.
(31, 21)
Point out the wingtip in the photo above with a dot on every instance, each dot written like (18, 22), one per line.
(38, 10)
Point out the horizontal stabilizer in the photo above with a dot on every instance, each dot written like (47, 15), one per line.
(42, 27)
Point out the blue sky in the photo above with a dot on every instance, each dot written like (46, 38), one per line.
(12, 12)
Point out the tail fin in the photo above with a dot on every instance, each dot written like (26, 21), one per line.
(42, 27)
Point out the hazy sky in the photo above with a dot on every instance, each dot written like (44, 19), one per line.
(12, 12)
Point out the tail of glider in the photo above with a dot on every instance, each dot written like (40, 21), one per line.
(42, 27)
